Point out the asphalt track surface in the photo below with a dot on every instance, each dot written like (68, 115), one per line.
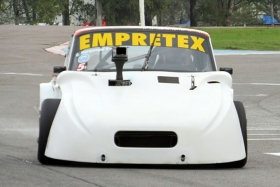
(24, 65)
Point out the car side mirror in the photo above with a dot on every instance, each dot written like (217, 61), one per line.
(58, 69)
(229, 70)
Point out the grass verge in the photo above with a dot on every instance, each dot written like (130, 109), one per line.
(245, 38)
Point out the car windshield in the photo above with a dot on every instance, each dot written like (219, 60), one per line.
(169, 52)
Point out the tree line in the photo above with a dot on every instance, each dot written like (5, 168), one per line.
(126, 12)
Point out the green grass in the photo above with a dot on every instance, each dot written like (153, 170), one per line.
(245, 38)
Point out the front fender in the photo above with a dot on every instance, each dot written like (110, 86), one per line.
(49, 91)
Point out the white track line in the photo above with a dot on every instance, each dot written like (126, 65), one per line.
(261, 129)
(263, 134)
(259, 84)
(258, 95)
(274, 154)
(27, 74)
(264, 139)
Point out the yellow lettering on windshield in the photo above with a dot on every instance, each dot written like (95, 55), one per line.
(197, 43)
(157, 40)
(93, 40)
(183, 41)
(168, 39)
(84, 42)
(121, 37)
(139, 39)
(99, 40)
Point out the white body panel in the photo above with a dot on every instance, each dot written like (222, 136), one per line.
(46, 91)
(49, 90)
(91, 112)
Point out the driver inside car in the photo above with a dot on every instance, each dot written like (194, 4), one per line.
(174, 59)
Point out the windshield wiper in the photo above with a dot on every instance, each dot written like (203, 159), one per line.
(146, 62)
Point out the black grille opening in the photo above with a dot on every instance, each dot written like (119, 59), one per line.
(146, 139)
(163, 79)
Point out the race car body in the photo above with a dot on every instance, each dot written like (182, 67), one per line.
(141, 95)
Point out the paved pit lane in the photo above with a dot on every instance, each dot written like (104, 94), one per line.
(24, 64)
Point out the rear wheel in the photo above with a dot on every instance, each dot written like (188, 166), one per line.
(48, 111)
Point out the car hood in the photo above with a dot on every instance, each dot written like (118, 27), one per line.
(88, 98)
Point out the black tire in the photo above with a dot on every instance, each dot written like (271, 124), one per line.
(48, 111)
(243, 125)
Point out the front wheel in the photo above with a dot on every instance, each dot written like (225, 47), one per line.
(48, 111)
(243, 125)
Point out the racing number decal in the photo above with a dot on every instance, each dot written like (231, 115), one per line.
(82, 66)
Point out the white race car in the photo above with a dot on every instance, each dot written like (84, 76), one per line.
(141, 95)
